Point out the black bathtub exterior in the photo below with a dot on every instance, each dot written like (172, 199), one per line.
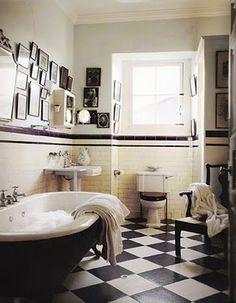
(34, 269)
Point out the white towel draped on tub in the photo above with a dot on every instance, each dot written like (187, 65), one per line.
(112, 212)
(204, 204)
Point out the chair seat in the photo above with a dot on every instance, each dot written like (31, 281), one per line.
(191, 220)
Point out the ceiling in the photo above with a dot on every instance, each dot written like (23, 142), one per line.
(102, 11)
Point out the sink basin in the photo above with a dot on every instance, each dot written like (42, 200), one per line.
(75, 173)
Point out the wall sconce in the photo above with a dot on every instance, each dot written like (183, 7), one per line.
(57, 108)
(84, 116)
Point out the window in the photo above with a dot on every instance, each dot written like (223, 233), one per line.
(156, 94)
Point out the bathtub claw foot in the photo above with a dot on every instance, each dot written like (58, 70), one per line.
(97, 252)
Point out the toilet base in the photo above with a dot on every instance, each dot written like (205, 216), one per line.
(153, 218)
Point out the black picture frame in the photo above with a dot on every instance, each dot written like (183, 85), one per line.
(34, 97)
(221, 120)
(43, 76)
(43, 60)
(117, 108)
(69, 83)
(53, 71)
(43, 93)
(23, 56)
(21, 106)
(222, 69)
(117, 90)
(21, 80)
(63, 77)
(34, 71)
(193, 85)
(33, 50)
(93, 76)
(90, 97)
(103, 120)
(44, 110)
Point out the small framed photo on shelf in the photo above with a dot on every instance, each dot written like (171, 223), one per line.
(222, 69)
(222, 110)
(193, 85)
(63, 77)
(21, 106)
(34, 71)
(44, 110)
(33, 51)
(116, 116)
(93, 76)
(34, 95)
(43, 76)
(90, 97)
(103, 120)
(69, 83)
(53, 71)
(21, 80)
(44, 93)
(43, 60)
(117, 90)
(23, 56)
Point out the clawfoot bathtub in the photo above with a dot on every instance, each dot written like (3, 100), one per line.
(34, 262)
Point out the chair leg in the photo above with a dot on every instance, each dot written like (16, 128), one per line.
(177, 240)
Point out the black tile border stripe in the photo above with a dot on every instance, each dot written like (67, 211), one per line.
(217, 144)
(217, 133)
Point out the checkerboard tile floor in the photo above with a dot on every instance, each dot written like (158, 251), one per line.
(147, 271)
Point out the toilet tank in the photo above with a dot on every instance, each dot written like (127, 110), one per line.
(152, 182)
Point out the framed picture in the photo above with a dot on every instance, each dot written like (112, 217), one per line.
(193, 85)
(21, 105)
(117, 90)
(221, 110)
(116, 127)
(93, 76)
(21, 80)
(103, 120)
(43, 60)
(63, 77)
(34, 95)
(69, 83)
(116, 116)
(23, 56)
(43, 76)
(44, 93)
(53, 71)
(222, 69)
(93, 117)
(33, 51)
(44, 110)
(90, 97)
(34, 71)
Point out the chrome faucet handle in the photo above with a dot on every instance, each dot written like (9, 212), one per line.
(15, 194)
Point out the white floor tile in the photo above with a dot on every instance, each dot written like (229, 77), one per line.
(133, 284)
(150, 231)
(125, 299)
(188, 254)
(81, 279)
(123, 229)
(89, 263)
(188, 234)
(143, 251)
(186, 242)
(191, 289)
(188, 269)
(146, 240)
(66, 297)
(139, 265)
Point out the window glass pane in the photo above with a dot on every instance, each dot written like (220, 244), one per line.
(144, 80)
(168, 79)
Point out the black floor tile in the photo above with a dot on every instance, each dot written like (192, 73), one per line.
(164, 246)
(130, 244)
(167, 228)
(164, 259)
(159, 295)
(214, 279)
(131, 234)
(125, 256)
(164, 236)
(108, 273)
(206, 250)
(211, 262)
(217, 298)
(134, 226)
(162, 276)
(99, 293)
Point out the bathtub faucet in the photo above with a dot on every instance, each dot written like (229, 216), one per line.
(15, 194)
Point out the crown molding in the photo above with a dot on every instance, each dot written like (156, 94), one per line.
(161, 14)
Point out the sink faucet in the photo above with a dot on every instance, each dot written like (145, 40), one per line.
(3, 199)
(15, 194)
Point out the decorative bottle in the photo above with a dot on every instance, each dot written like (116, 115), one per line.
(84, 158)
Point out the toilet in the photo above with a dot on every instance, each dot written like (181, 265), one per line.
(152, 187)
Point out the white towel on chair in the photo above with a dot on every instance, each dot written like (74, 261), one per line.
(112, 212)
(204, 203)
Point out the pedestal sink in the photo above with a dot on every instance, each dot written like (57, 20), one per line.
(75, 173)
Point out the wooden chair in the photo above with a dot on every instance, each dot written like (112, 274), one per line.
(190, 224)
